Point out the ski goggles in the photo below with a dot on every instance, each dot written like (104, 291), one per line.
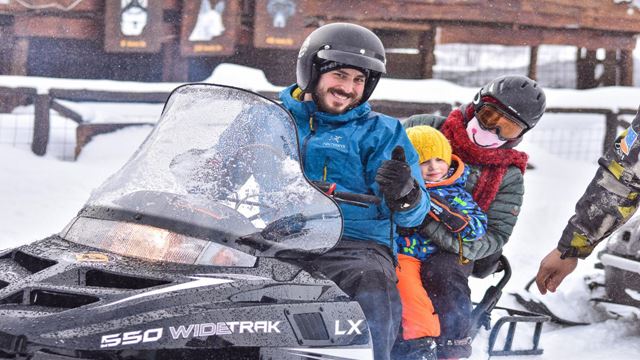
(492, 118)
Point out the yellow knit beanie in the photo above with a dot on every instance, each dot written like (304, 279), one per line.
(429, 143)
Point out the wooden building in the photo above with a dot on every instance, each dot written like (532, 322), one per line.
(183, 40)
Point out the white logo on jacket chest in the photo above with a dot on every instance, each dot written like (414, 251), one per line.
(334, 142)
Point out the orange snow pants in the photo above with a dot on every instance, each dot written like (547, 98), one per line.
(419, 319)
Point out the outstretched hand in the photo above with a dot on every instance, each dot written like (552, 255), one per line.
(553, 270)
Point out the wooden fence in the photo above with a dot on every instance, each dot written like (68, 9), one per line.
(44, 103)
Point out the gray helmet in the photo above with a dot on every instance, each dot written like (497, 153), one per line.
(348, 44)
(519, 96)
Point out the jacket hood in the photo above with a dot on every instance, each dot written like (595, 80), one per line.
(305, 109)
(459, 176)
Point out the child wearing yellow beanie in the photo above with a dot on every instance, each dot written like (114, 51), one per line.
(452, 206)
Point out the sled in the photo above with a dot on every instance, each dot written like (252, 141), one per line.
(481, 317)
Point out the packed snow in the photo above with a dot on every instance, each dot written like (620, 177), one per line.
(41, 194)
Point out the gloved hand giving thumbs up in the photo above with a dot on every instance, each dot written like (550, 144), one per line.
(400, 190)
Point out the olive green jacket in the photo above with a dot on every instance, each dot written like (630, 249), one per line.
(502, 214)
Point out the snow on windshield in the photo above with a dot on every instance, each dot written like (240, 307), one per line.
(213, 147)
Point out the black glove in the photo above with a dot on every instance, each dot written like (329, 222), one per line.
(453, 219)
(399, 188)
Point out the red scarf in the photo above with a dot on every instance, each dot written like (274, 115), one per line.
(493, 162)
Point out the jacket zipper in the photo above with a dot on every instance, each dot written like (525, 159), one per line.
(325, 172)
(312, 132)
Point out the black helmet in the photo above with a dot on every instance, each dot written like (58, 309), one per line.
(518, 95)
(348, 44)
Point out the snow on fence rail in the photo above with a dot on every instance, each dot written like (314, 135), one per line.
(59, 100)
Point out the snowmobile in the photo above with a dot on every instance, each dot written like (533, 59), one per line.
(620, 260)
(194, 249)
(197, 248)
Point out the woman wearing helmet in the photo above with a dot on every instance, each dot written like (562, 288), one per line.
(483, 134)
(343, 142)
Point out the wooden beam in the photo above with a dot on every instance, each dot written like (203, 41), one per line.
(109, 96)
(57, 27)
(426, 47)
(53, 6)
(66, 112)
(533, 63)
(85, 132)
(527, 36)
(10, 98)
(396, 25)
(563, 14)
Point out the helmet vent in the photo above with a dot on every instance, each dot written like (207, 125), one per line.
(105, 279)
(56, 299)
(32, 263)
(524, 85)
(15, 298)
(49, 298)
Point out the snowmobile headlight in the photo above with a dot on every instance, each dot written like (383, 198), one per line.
(152, 243)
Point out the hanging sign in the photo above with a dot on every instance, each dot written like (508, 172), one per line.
(133, 26)
(209, 27)
(279, 24)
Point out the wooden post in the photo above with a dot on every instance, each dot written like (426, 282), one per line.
(175, 68)
(41, 125)
(533, 62)
(426, 46)
(610, 66)
(586, 68)
(20, 56)
(626, 67)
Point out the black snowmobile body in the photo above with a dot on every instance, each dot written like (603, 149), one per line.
(621, 262)
(195, 249)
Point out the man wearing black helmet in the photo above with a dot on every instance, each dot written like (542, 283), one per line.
(343, 142)
(483, 134)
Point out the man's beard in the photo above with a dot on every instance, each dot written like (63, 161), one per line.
(324, 106)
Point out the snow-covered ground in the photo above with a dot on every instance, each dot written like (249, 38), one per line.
(40, 194)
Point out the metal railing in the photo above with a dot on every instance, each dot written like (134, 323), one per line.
(44, 103)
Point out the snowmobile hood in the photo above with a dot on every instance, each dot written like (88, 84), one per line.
(217, 182)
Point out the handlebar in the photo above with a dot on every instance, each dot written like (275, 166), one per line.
(363, 200)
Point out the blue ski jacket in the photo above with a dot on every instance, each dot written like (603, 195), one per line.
(347, 149)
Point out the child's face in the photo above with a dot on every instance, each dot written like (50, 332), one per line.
(434, 169)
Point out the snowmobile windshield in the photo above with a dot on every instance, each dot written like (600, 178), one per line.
(217, 182)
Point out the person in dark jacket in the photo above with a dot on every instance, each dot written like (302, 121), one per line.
(343, 142)
(608, 202)
(483, 134)
(445, 176)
